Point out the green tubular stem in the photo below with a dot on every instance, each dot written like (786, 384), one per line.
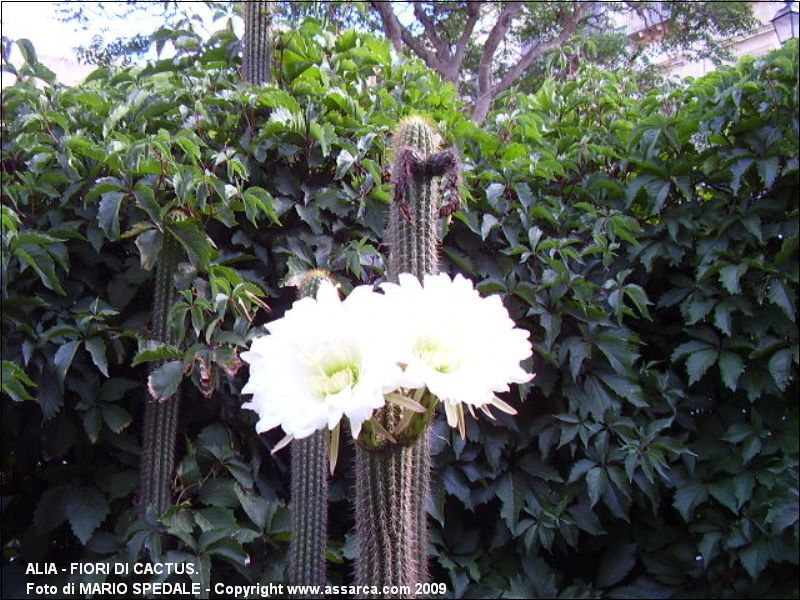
(309, 491)
(393, 480)
(157, 466)
(392, 484)
(309, 511)
(256, 54)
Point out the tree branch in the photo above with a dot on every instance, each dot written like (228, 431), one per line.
(496, 35)
(391, 26)
(569, 27)
(486, 91)
(474, 13)
(396, 32)
(442, 48)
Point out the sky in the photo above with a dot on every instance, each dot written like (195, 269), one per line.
(55, 41)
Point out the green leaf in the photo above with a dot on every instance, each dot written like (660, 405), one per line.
(755, 557)
(731, 367)
(50, 510)
(163, 383)
(344, 161)
(14, 382)
(85, 510)
(149, 245)
(511, 492)
(28, 53)
(146, 200)
(259, 201)
(699, 362)
(194, 240)
(108, 213)
(780, 365)
(162, 352)
(779, 296)
(709, 546)
(723, 492)
(722, 317)
(729, 276)
(617, 562)
(259, 509)
(116, 417)
(768, 170)
(44, 268)
(97, 349)
(596, 481)
(688, 497)
(783, 515)
(738, 169)
(324, 134)
(63, 358)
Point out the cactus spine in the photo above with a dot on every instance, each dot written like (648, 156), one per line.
(393, 480)
(157, 466)
(309, 490)
(256, 54)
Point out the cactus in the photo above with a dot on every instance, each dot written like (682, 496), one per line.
(309, 490)
(256, 54)
(157, 465)
(393, 478)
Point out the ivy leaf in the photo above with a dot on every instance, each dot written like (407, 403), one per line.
(688, 497)
(768, 170)
(259, 509)
(699, 362)
(723, 492)
(149, 245)
(344, 161)
(108, 213)
(729, 276)
(755, 557)
(146, 200)
(63, 358)
(259, 201)
(511, 492)
(116, 417)
(596, 481)
(709, 546)
(27, 50)
(493, 192)
(779, 296)
(163, 382)
(162, 352)
(44, 267)
(97, 349)
(194, 240)
(780, 367)
(617, 562)
(85, 510)
(722, 317)
(783, 515)
(730, 367)
(50, 510)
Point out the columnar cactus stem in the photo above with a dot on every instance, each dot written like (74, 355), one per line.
(309, 491)
(257, 51)
(393, 479)
(157, 466)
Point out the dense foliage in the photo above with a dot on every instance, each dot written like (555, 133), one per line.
(649, 243)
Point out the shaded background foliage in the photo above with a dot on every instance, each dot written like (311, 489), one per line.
(648, 242)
